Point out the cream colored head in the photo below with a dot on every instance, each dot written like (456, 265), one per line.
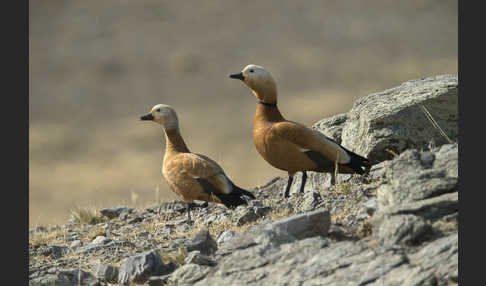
(164, 115)
(260, 81)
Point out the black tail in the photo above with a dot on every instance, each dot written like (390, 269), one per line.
(235, 198)
(358, 162)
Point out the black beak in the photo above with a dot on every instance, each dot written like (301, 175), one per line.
(147, 117)
(237, 76)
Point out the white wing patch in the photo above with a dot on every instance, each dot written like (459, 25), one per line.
(344, 158)
(226, 185)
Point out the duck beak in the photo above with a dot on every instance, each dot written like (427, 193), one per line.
(147, 117)
(237, 76)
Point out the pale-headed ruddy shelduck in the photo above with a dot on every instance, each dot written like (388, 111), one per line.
(192, 176)
(291, 146)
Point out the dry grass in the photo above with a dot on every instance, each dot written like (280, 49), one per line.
(88, 215)
(52, 237)
(177, 256)
(445, 226)
(276, 215)
(343, 188)
(365, 229)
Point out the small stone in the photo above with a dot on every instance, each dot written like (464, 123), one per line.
(114, 211)
(197, 258)
(370, 206)
(100, 240)
(135, 220)
(243, 215)
(37, 229)
(157, 280)
(123, 215)
(203, 242)
(54, 250)
(75, 244)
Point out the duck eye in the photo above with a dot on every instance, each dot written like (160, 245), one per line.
(158, 109)
(251, 70)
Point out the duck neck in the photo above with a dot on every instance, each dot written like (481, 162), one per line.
(174, 142)
(268, 112)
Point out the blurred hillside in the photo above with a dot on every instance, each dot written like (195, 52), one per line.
(96, 66)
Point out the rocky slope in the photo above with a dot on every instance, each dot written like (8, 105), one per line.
(395, 226)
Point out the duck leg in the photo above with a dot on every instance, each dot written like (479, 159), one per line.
(188, 208)
(289, 183)
(304, 179)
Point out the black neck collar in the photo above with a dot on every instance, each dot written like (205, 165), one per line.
(267, 104)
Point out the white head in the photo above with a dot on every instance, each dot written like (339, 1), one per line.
(164, 115)
(260, 81)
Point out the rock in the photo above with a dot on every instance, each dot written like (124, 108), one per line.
(197, 258)
(140, 267)
(225, 236)
(303, 225)
(422, 184)
(37, 229)
(258, 208)
(50, 279)
(188, 274)
(271, 238)
(135, 219)
(115, 211)
(441, 257)
(66, 277)
(243, 215)
(370, 206)
(75, 244)
(203, 242)
(310, 201)
(100, 240)
(393, 119)
(54, 250)
(332, 127)
(104, 272)
(402, 229)
(157, 280)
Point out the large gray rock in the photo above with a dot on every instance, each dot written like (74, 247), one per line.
(140, 267)
(332, 127)
(420, 187)
(303, 225)
(393, 119)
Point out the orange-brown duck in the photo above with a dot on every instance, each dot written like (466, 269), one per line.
(192, 176)
(288, 145)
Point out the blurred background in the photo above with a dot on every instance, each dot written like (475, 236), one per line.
(96, 66)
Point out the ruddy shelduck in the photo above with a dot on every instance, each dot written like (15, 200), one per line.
(288, 145)
(192, 176)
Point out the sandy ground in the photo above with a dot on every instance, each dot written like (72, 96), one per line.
(96, 66)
